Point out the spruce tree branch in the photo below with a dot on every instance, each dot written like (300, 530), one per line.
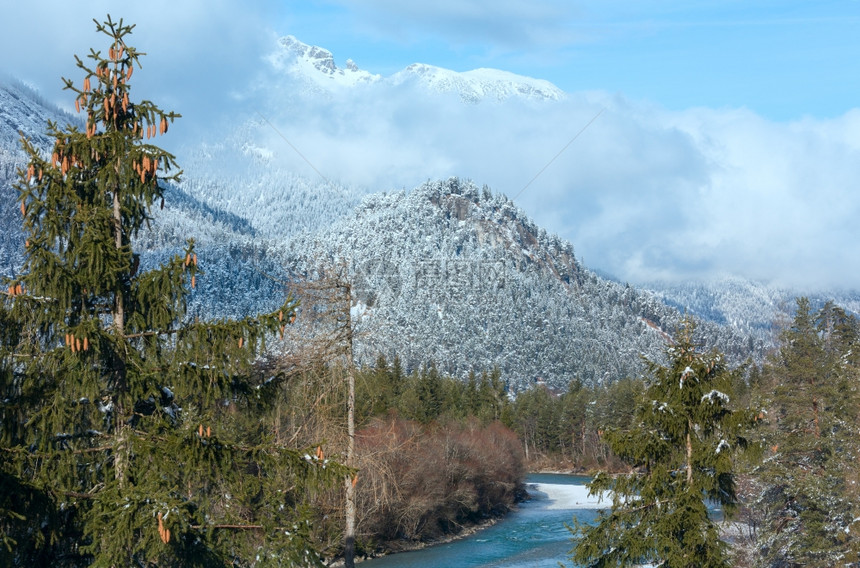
(235, 527)
(656, 503)
(151, 333)
(42, 455)
(79, 495)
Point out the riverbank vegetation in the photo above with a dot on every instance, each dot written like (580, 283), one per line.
(431, 454)
(564, 431)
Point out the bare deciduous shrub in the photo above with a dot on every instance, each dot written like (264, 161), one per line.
(418, 483)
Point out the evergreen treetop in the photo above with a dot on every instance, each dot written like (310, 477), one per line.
(128, 434)
(681, 449)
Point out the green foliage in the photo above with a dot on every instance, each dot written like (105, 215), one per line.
(128, 431)
(553, 427)
(567, 428)
(427, 396)
(682, 447)
(807, 497)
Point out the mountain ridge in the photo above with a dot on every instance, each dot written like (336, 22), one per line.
(477, 284)
(318, 67)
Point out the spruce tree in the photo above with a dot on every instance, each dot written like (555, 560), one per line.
(808, 480)
(128, 434)
(681, 446)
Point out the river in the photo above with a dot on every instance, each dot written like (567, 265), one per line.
(533, 536)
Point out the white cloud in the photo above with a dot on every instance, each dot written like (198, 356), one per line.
(197, 51)
(643, 193)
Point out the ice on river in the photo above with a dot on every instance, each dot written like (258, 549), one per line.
(569, 496)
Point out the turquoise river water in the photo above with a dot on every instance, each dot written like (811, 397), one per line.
(533, 536)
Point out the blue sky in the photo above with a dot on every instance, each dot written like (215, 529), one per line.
(783, 59)
(728, 144)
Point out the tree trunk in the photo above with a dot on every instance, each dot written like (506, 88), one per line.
(584, 436)
(119, 301)
(122, 450)
(815, 417)
(689, 453)
(349, 531)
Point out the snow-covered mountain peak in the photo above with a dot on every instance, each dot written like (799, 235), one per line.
(317, 64)
(479, 84)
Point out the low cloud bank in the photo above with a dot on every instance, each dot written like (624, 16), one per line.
(643, 193)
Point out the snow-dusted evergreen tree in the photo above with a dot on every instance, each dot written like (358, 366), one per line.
(129, 434)
(808, 481)
(682, 448)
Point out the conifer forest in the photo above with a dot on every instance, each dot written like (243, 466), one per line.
(189, 380)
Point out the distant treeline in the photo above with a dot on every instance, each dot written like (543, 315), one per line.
(556, 429)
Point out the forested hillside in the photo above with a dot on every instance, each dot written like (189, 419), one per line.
(752, 308)
(453, 273)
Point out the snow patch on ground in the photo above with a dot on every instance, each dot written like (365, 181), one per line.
(571, 496)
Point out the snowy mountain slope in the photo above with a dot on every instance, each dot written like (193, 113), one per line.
(240, 177)
(752, 308)
(453, 274)
(184, 217)
(22, 111)
(478, 84)
(735, 302)
(11, 239)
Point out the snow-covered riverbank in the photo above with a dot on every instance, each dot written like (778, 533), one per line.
(568, 496)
